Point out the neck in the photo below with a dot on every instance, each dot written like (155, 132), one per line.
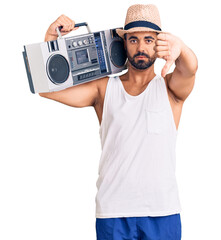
(140, 77)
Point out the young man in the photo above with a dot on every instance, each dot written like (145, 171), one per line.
(139, 114)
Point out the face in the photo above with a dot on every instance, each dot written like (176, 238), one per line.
(140, 49)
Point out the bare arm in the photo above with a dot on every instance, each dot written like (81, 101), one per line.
(173, 50)
(182, 80)
(82, 95)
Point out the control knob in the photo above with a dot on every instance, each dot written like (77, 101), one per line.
(74, 44)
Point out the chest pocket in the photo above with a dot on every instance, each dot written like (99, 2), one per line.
(156, 121)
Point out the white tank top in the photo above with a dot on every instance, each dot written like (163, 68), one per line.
(138, 159)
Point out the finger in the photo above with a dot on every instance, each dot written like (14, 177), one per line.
(65, 25)
(70, 26)
(68, 31)
(61, 23)
(161, 43)
(162, 36)
(64, 21)
(72, 23)
(162, 54)
(167, 58)
(161, 48)
(166, 67)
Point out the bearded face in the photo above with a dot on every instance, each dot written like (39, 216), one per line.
(140, 60)
(140, 49)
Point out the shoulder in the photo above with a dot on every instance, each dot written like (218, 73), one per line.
(102, 84)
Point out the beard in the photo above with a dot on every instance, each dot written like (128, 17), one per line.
(141, 64)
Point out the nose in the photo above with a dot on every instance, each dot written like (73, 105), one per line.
(140, 47)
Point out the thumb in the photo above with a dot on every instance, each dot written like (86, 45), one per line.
(166, 67)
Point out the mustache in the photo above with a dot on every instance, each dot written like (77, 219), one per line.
(141, 54)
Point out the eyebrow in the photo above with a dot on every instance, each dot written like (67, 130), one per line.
(147, 37)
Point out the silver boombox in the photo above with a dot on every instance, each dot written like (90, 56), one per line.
(65, 62)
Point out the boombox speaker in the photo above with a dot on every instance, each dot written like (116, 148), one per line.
(65, 62)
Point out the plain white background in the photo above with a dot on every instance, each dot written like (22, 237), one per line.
(50, 152)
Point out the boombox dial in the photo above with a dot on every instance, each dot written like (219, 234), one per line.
(74, 44)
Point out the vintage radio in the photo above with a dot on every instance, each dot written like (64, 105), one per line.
(65, 62)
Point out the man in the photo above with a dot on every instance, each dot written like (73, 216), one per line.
(139, 113)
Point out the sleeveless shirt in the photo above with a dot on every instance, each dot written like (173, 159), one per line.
(138, 160)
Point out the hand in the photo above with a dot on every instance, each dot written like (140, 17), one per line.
(65, 22)
(168, 47)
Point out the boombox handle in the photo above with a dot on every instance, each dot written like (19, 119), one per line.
(58, 29)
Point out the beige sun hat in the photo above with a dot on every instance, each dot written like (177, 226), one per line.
(141, 18)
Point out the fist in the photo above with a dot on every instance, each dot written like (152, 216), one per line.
(67, 26)
(168, 47)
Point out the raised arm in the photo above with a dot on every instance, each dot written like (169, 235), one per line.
(82, 95)
(173, 50)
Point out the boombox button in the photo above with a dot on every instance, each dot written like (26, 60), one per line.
(85, 41)
(74, 44)
(79, 43)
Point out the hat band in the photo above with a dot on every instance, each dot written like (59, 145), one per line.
(142, 24)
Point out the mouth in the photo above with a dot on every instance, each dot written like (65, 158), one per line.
(141, 57)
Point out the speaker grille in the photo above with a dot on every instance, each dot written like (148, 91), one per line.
(58, 69)
(117, 53)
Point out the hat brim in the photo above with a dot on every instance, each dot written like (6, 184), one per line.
(121, 32)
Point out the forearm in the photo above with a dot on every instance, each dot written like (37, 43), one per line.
(186, 63)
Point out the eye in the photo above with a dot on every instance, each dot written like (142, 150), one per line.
(133, 41)
(149, 41)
